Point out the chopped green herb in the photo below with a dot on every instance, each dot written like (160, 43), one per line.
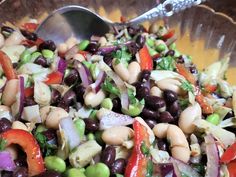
(3, 144)
(131, 96)
(186, 85)
(145, 149)
(149, 169)
(183, 103)
(109, 87)
(166, 63)
(46, 148)
(122, 55)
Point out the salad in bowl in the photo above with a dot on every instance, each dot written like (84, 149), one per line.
(124, 104)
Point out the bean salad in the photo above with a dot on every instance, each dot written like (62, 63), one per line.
(126, 104)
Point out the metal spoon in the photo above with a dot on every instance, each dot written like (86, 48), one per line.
(83, 23)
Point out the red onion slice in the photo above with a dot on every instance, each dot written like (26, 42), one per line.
(68, 127)
(96, 86)
(114, 119)
(85, 75)
(61, 66)
(107, 49)
(213, 159)
(6, 162)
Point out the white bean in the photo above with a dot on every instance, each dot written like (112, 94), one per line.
(153, 28)
(71, 42)
(19, 125)
(134, 70)
(171, 84)
(188, 116)
(117, 135)
(44, 111)
(121, 70)
(62, 48)
(79, 57)
(102, 41)
(94, 99)
(15, 38)
(155, 91)
(54, 117)
(4, 108)
(1, 40)
(10, 91)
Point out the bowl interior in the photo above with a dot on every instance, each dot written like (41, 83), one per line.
(202, 33)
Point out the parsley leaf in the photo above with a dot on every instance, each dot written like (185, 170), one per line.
(109, 87)
(187, 86)
(122, 55)
(183, 103)
(166, 63)
(131, 96)
(47, 149)
(144, 149)
(3, 144)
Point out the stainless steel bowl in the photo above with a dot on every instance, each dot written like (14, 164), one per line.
(202, 32)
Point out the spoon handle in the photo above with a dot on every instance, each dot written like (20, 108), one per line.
(166, 9)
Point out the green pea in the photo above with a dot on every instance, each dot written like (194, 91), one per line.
(90, 136)
(25, 57)
(75, 172)
(213, 118)
(150, 42)
(83, 44)
(55, 163)
(47, 53)
(152, 52)
(98, 137)
(132, 111)
(107, 103)
(119, 175)
(98, 170)
(177, 53)
(80, 127)
(161, 47)
(35, 55)
(94, 70)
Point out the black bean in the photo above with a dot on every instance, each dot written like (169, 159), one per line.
(116, 105)
(229, 115)
(118, 166)
(69, 98)
(40, 60)
(72, 77)
(108, 155)
(170, 53)
(20, 172)
(162, 144)
(193, 69)
(140, 40)
(6, 173)
(144, 76)
(63, 105)
(108, 60)
(6, 31)
(79, 91)
(132, 31)
(149, 114)
(29, 101)
(138, 85)
(174, 109)
(29, 35)
(151, 123)
(14, 65)
(55, 97)
(180, 59)
(50, 134)
(49, 44)
(92, 48)
(142, 92)
(166, 117)
(49, 173)
(154, 102)
(91, 125)
(21, 162)
(133, 48)
(5, 125)
(170, 96)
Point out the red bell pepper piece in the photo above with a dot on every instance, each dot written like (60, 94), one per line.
(232, 168)
(54, 78)
(210, 88)
(168, 35)
(206, 108)
(31, 43)
(29, 91)
(137, 163)
(7, 67)
(84, 53)
(182, 70)
(229, 154)
(30, 26)
(29, 145)
(146, 62)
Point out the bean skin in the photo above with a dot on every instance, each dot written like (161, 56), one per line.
(108, 155)
(92, 48)
(20, 172)
(41, 61)
(69, 97)
(149, 114)
(49, 44)
(140, 40)
(79, 91)
(174, 109)
(29, 35)
(142, 92)
(144, 76)
(170, 96)
(116, 105)
(5, 125)
(154, 102)
(72, 77)
(56, 97)
(91, 125)
(166, 117)
(118, 166)
(162, 144)
(150, 122)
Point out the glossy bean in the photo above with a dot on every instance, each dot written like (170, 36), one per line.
(94, 99)
(40, 60)
(118, 166)
(162, 144)
(170, 96)
(29, 35)
(171, 84)
(140, 40)
(5, 125)
(107, 103)
(108, 155)
(92, 48)
(117, 135)
(20, 172)
(72, 77)
(75, 172)
(55, 163)
(19, 125)
(134, 70)
(69, 97)
(166, 117)
(150, 122)
(154, 102)
(121, 70)
(49, 44)
(116, 105)
(7, 31)
(142, 92)
(79, 91)
(91, 125)
(80, 127)
(174, 109)
(149, 114)
(10, 91)
(56, 97)
(144, 76)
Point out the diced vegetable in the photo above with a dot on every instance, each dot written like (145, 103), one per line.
(54, 78)
(6, 162)
(146, 62)
(229, 154)
(7, 67)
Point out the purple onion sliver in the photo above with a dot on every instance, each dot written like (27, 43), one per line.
(213, 159)
(84, 75)
(22, 96)
(96, 86)
(6, 162)
(107, 49)
(61, 66)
